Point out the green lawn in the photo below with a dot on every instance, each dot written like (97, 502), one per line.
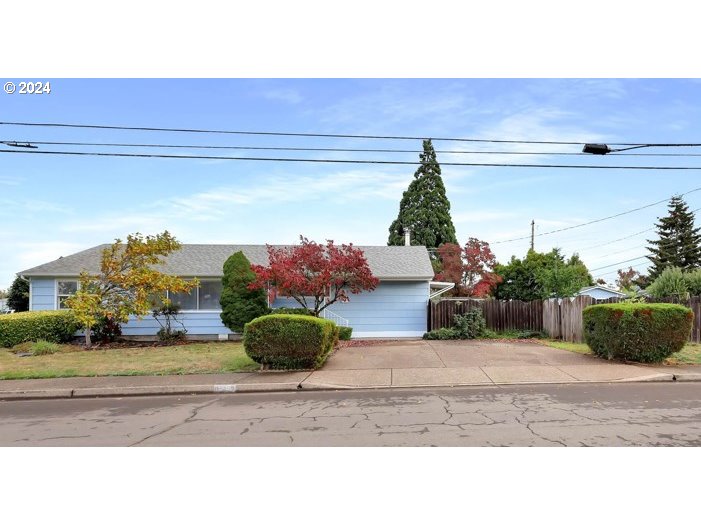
(689, 355)
(74, 361)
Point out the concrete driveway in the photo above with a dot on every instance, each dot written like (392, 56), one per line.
(479, 362)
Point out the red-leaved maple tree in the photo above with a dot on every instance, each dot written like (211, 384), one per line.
(471, 268)
(315, 275)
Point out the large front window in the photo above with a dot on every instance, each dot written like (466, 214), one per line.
(64, 289)
(204, 297)
(209, 294)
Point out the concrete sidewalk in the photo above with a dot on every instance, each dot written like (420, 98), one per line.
(387, 365)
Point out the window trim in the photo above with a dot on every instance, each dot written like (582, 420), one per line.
(57, 303)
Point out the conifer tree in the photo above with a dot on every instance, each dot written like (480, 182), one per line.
(18, 295)
(679, 241)
(240, 304)
(424, 207)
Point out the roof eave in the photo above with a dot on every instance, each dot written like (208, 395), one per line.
(381, 278)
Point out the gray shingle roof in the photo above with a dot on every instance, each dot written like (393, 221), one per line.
(207, 260)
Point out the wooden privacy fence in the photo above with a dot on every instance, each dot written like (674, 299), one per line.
(559, 318)
(562, 318)
(500, 315)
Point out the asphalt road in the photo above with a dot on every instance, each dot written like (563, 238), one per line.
(639, 414)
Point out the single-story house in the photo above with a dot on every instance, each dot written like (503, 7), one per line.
(396, 308)
(600, 292)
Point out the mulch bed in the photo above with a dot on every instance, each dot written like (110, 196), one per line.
(115, 345)
(376, 342)
(367, 342)
(532, 340)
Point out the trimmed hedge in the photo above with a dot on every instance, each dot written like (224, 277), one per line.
(54, 326)
(345, 332)
(637, 331)
(289, 341)
(292, 311)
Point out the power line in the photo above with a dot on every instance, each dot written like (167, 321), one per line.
(683, 252)
(275, 133)
(618, 263)
(638, 247)
(324, 135)
(595, 220)
(354, 150)
(348, 161)
(605, 256)
(634, 266)
(617, 240)
(599, 245)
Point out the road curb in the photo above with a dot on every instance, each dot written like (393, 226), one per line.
(129, 391)
(18, 395)
(648, 378)
(233, 388)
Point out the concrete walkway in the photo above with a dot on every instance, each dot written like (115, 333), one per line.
(481, 362)
(387, 365)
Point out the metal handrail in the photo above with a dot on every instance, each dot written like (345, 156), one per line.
(341, 321)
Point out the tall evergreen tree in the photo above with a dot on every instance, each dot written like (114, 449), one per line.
(679, 242)
(18, 295)
(239, 303)
(424, 208)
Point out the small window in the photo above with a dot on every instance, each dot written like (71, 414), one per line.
(210, 292)
(64, 289)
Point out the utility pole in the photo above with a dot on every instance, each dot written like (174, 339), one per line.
(532, 234)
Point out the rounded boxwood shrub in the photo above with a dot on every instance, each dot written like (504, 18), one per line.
(54, 326)
(345, 333)
(637, 331)
(289, 341)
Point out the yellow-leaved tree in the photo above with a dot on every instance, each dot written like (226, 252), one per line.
(128, 282)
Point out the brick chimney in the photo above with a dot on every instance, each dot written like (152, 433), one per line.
(407, 237)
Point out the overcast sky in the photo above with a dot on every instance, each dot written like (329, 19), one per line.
(56, 205)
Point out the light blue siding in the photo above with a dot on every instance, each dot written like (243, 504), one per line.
(43, 293)
(196, 323)
(393, 309)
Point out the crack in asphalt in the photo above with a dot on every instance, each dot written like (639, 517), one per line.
(192, 415)
(387, 432)
(529, 417)
(527, 424)
(61, 437)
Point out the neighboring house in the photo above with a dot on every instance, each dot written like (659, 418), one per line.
(600, 292)
(396, 308)
(3, 306)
